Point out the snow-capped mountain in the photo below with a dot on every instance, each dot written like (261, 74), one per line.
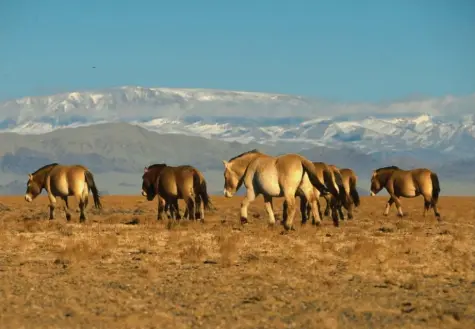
(439, 124)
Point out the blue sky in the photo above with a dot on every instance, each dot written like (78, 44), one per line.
(339, 50)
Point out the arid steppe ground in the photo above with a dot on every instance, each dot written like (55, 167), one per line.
(125, 269)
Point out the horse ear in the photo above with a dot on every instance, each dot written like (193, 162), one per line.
(145, 169)
(30, 176)
(374, 174)
(225, 163)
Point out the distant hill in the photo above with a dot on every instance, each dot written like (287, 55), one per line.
(117, 153)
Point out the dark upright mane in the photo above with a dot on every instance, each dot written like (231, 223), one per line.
(245, 153)
(385, 168)
(44, 167)
(157, 165)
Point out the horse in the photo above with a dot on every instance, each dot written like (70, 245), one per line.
(172, 183)
(63, 181)
(279, 176)
(329, 176)
(352, 199)
(407, 184)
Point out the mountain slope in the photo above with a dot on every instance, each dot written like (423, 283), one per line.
(118, 152)
(441, 125)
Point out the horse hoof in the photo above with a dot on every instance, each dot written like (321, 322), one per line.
(244, 220)
(289, 228)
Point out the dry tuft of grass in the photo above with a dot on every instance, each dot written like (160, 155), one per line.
(124, 268)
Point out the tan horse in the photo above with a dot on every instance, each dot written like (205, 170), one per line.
(407, 184)
(280, 176)
(352, 198)
(172, 183)
(329, 176)
(63, 181)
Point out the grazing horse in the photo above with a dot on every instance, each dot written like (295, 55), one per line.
(352, 198)
(407, 184)
(280, 176)
(63, 181)
(172, 183)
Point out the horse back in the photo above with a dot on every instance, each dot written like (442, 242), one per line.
(176, 181)
(67, 178)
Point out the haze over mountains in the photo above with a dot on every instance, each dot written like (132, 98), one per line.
(127, 128)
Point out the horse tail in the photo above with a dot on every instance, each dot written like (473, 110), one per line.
(354, 192)
(200, 185)
(92, 186)
(435, 187)
(309, 168)
(338, 181)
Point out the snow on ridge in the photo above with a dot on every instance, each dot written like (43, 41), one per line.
(191, 111)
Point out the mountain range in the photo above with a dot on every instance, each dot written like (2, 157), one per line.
(118, 131)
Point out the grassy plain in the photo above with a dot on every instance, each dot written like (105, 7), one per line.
(125, 269)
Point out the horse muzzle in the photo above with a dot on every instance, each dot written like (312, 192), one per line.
(28, 198)
(228, 194)
(144, 193)
(372, 193)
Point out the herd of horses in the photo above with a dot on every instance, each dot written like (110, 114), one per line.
(288, 176)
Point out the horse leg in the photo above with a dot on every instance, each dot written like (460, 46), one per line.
(398, 206)
(177, 209)
(388, 206)
(319, 208)
(349, 208)
(270, 209)
(340, 211)
(290, 199)
(66, 208)
(250, 196)
(82, 207)
(161, 207)
(334, 211)
(202, 210)
(328, 199)
(436, 211)
(428, 203)
(304, 205)
(313, 207)
(52, 205)
(284, 212)
(190, 204)
(199, 208)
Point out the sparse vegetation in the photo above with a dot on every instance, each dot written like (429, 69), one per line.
(123, 268)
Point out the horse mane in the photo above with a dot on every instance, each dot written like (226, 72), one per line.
(385, 168)
(156, 165)
(45, 166)
(245, 153)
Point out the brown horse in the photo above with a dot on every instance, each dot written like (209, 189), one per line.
(407, 184)
(63, 181)
(172, 183)
(352, 198)
(280, 176)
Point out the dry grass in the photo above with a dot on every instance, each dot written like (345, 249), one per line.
(125, 269)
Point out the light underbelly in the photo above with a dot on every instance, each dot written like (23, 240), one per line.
(268, 185)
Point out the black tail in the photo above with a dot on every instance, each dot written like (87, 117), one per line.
(92, 186)
(435, 187)
(354, 193)
(332, 181)
(201, 188)
(309, 168)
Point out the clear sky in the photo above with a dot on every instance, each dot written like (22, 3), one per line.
(341, 50)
